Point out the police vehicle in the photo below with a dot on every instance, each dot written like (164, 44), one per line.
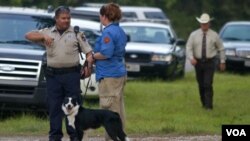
(236, 40)
(154, 50)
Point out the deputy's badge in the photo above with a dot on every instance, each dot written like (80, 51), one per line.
(106, 40)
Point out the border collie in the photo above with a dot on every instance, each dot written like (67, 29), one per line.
(81, 119)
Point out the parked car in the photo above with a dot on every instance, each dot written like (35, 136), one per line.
(153, 14)
(153, 50)
(129, 13)
(236, 40)
(22, 81)
(88, 13)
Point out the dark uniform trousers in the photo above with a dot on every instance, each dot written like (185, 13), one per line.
(60, 84)
(204, 70)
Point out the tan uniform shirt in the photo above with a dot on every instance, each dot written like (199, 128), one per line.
(64, 51)
(213, 45)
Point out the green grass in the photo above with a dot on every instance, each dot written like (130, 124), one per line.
(24, 124)
(160, 108)
(174, 107)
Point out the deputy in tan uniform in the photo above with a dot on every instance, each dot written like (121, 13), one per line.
(63, 71)
(201, 48)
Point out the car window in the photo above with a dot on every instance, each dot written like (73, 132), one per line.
(236, 33)
(129, 15)
(154, 15)
(13, 27)
(148, 34)
(84, 14)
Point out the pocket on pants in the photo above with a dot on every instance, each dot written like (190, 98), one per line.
(106, 102)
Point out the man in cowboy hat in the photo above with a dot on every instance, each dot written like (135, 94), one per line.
(202, 47)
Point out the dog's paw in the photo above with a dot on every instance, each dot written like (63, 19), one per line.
(127, 139)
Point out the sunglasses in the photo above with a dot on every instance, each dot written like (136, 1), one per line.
(62, 9)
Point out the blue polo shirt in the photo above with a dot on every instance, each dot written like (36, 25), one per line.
(112, 45)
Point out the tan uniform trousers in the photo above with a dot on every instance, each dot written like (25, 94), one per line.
(111, 96)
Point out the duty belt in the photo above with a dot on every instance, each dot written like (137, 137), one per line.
(206, 60)
(52, 70)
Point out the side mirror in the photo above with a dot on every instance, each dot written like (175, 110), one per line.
(172, 40)
(180, 42)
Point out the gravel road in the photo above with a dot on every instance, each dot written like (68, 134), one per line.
(167, 138)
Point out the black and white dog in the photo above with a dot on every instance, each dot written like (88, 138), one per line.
(82, 119)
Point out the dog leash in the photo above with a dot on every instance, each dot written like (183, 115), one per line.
(85, 93)
(87, 86)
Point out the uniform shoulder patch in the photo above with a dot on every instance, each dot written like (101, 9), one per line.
(106, 40)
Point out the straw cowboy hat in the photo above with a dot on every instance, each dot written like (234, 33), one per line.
(205, 18)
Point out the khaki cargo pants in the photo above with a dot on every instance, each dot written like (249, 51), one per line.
(111, 96)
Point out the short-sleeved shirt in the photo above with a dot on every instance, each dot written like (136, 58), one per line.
(213, 45)
(112, 45)
(64, 50)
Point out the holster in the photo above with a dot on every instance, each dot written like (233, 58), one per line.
(49, 72)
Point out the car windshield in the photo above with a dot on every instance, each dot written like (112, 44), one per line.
(129, 15)
(148, 34)
(236, 33)
(13, 27)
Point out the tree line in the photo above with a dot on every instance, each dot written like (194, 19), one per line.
(181, 13)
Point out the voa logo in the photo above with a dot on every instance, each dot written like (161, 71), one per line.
(236, 132)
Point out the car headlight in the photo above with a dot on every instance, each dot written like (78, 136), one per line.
(166, 58)
(230, 52)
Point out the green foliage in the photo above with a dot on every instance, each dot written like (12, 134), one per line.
(182, 13)
(164, 107)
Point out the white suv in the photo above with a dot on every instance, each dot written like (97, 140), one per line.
(128, 13)
(144, 14)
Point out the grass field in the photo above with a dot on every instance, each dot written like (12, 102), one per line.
(159, 108)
